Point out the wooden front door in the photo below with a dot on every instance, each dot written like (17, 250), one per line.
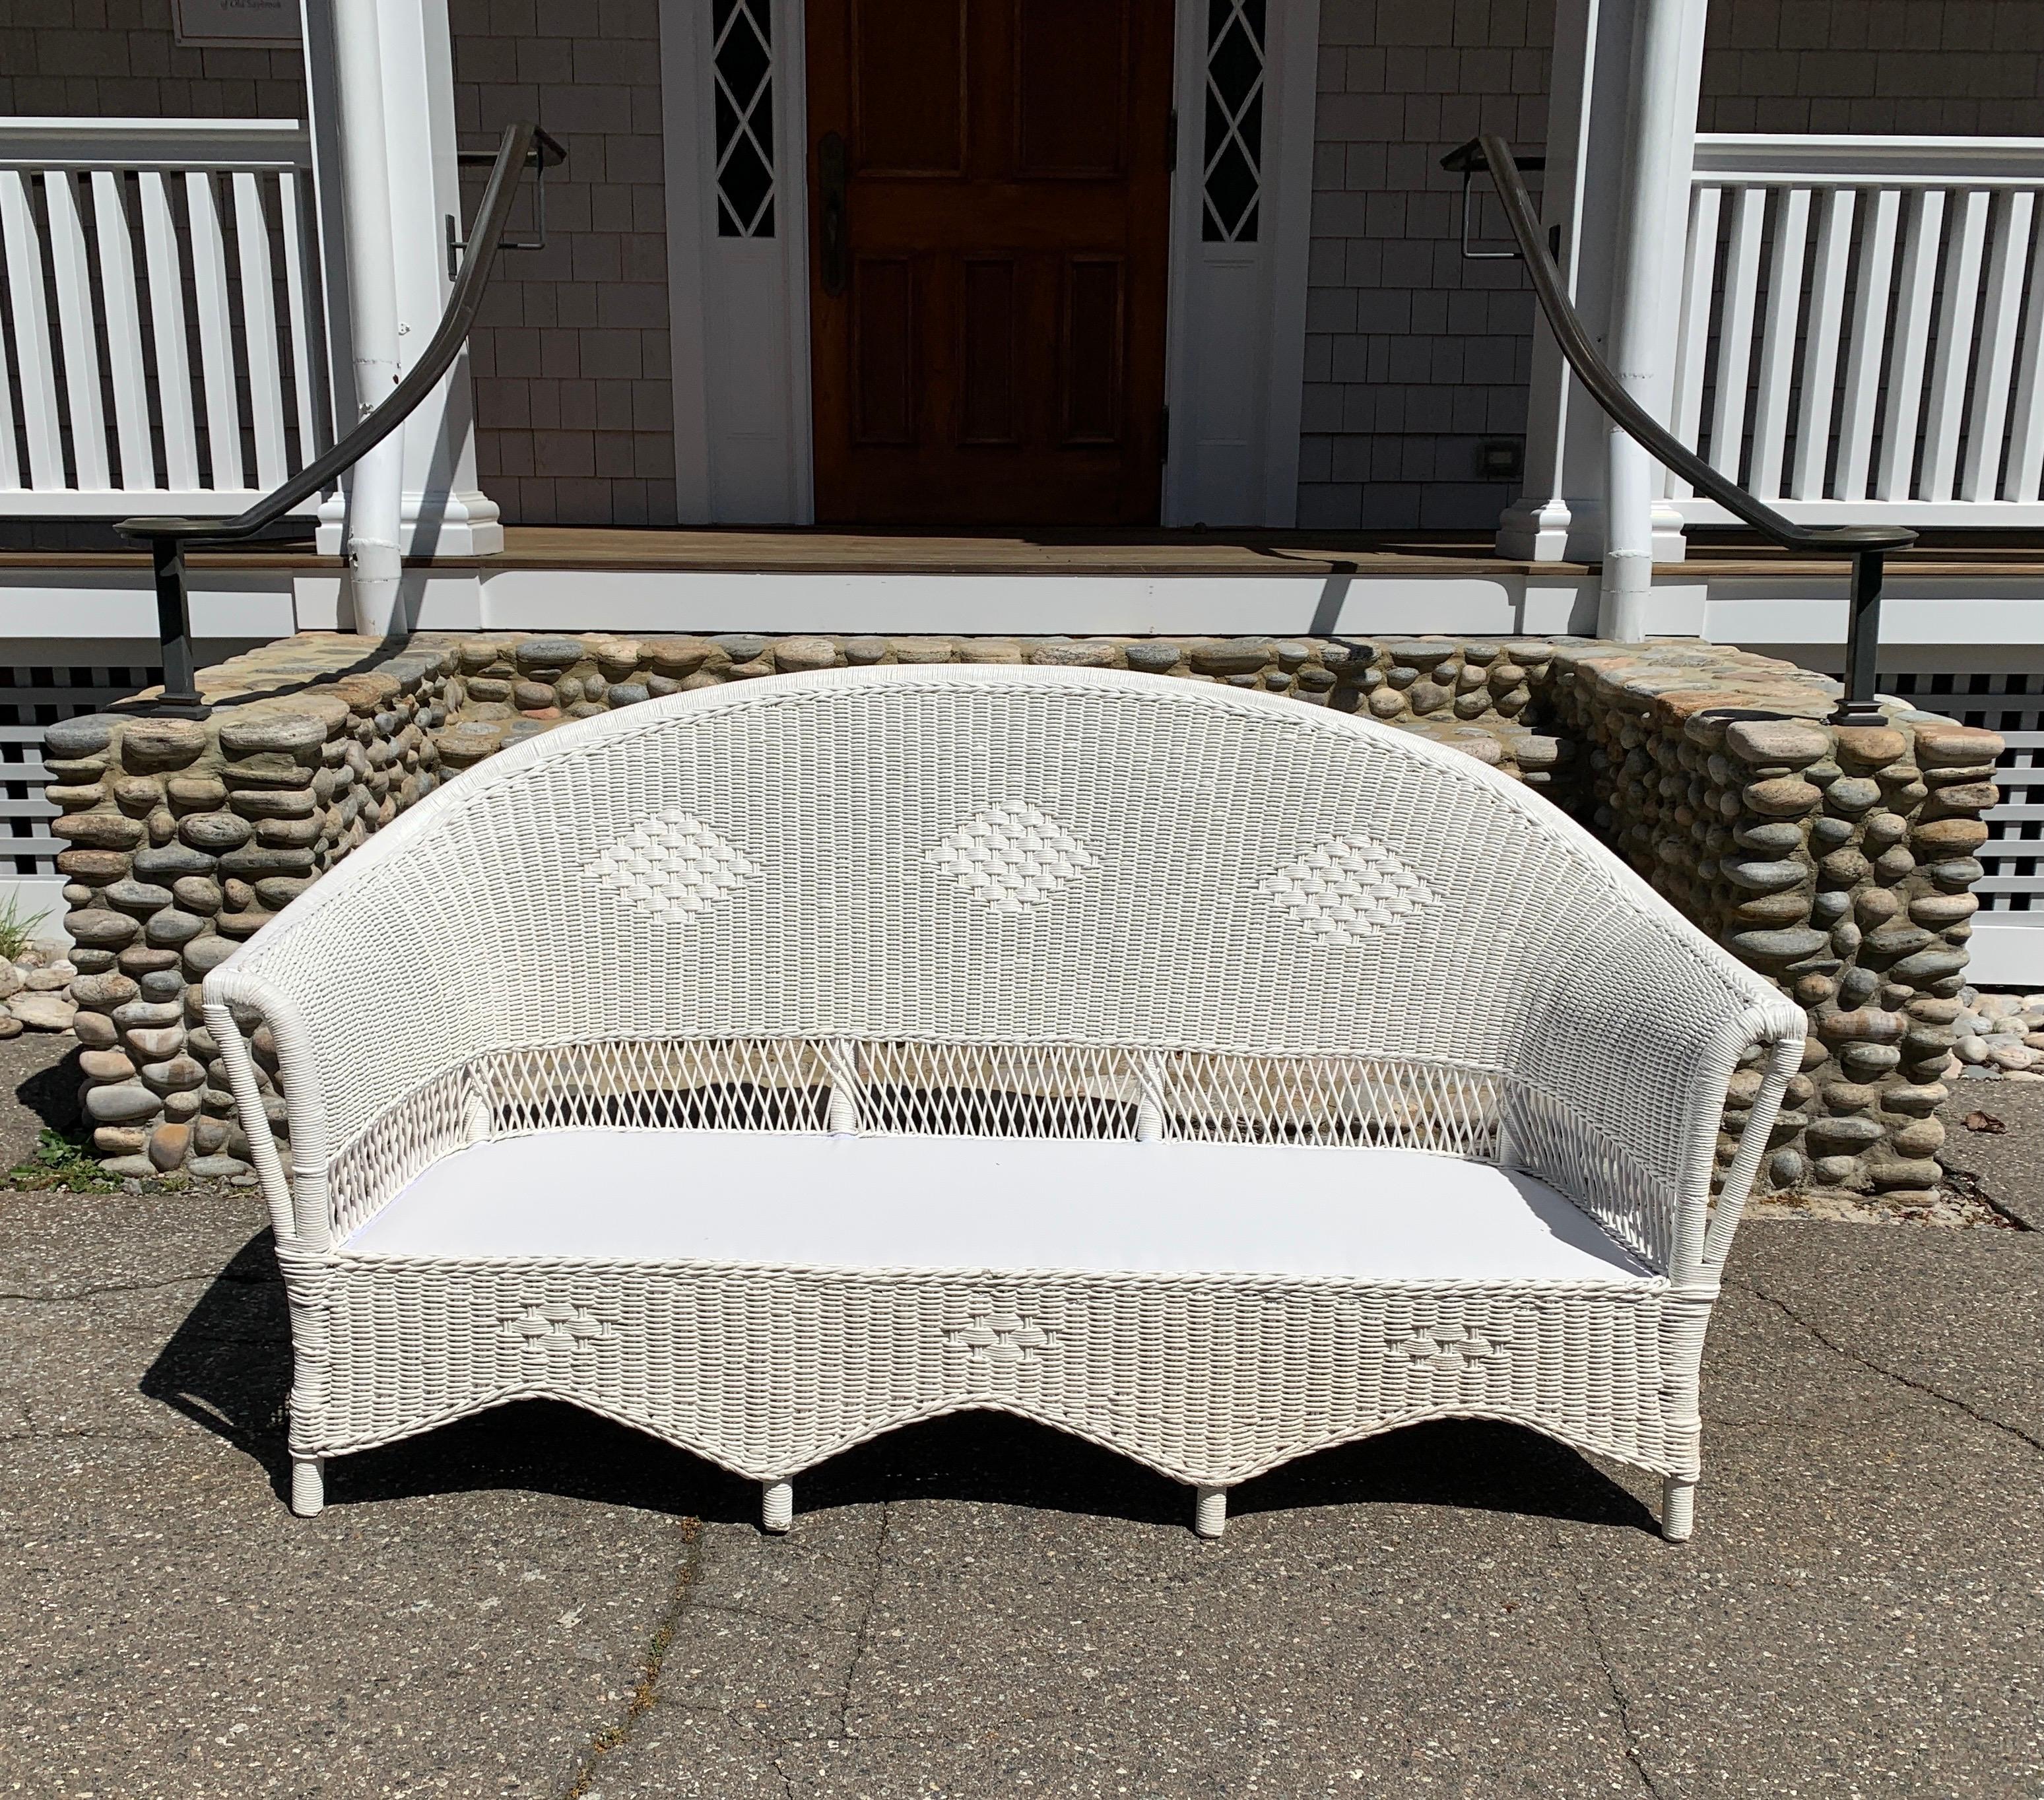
(989, 187)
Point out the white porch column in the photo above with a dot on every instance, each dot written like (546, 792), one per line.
(411, 187)
(1621, 134)
(375, 485)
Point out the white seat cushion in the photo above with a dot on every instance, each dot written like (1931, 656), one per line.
(1171, 1207)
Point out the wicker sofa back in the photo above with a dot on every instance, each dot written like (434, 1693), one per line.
(999, 903)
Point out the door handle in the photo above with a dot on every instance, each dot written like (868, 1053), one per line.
(831, 178)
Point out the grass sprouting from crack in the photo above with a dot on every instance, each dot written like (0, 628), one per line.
(58, 1161)
(643, 1691)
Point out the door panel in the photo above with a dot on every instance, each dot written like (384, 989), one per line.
(907, 87)
(997, 355)
(1070, 75)
(883, 334)
(987, 353)
(1093, 332)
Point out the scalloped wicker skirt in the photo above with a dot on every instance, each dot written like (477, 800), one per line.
(1209, 1379)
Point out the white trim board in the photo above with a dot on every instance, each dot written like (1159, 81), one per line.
(1958, 614)
(1235, 356)
(114, 603)
(654, 601)
(1037, 605)
(1766, 611)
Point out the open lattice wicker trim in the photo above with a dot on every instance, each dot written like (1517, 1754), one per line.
(1090, 1091)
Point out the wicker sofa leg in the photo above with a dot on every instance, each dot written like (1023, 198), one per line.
(1678, 1507)
(777, 1505)
(308, 1486)
(1209, 1511)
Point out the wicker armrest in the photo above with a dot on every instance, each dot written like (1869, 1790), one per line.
(298, 1212)
(356, 1021)
(1630, 1048)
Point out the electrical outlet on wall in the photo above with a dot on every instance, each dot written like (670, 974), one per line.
(1500, 459)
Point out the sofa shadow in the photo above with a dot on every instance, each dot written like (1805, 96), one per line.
(996, 1458)
(227, 1367)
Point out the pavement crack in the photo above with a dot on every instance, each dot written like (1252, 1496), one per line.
(1620, 1699)
(52, 1298)
(640, 1701)
(1894, 1375)
(861, 1635)
(67, 1434)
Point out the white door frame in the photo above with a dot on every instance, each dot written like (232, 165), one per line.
(1235, 312)
(1235, 329)
(740, 306)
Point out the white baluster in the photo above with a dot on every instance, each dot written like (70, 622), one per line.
(216, 333)
(1778, 335)
(2008, 254)
(259, 320)
(11, 462)
(1861, 415)
(1820, 353)
(124, 330)
(1741, 284)
(31, 332)
(79, 332)
(1918, 287)
(2026, 455)
(167, 325)
(308, 359)
(1954, 354)
(1693, 345)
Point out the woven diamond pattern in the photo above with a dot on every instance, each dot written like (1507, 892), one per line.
(672, 867)
(1348, 889)
(998, 1334)
(552, 1325)
(1011, 858)
(1449, 1349)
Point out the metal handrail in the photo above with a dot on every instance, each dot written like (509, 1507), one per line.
(523, 145)
(1867, 545)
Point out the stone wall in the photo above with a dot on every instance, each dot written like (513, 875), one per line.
(1836, 861)
(1475, 696)
(186, 838)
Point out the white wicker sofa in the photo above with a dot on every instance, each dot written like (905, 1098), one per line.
(1211, 1077)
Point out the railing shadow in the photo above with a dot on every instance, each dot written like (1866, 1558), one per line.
(375, 652)
(50, 1094)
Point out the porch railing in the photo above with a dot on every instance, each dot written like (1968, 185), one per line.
(1867, 545)
(522, 146)
(161, 301)
(1861, 336)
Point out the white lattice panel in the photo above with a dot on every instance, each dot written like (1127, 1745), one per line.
(2009, 942)
(31, 700)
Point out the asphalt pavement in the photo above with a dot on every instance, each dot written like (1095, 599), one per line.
(537, 1603)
